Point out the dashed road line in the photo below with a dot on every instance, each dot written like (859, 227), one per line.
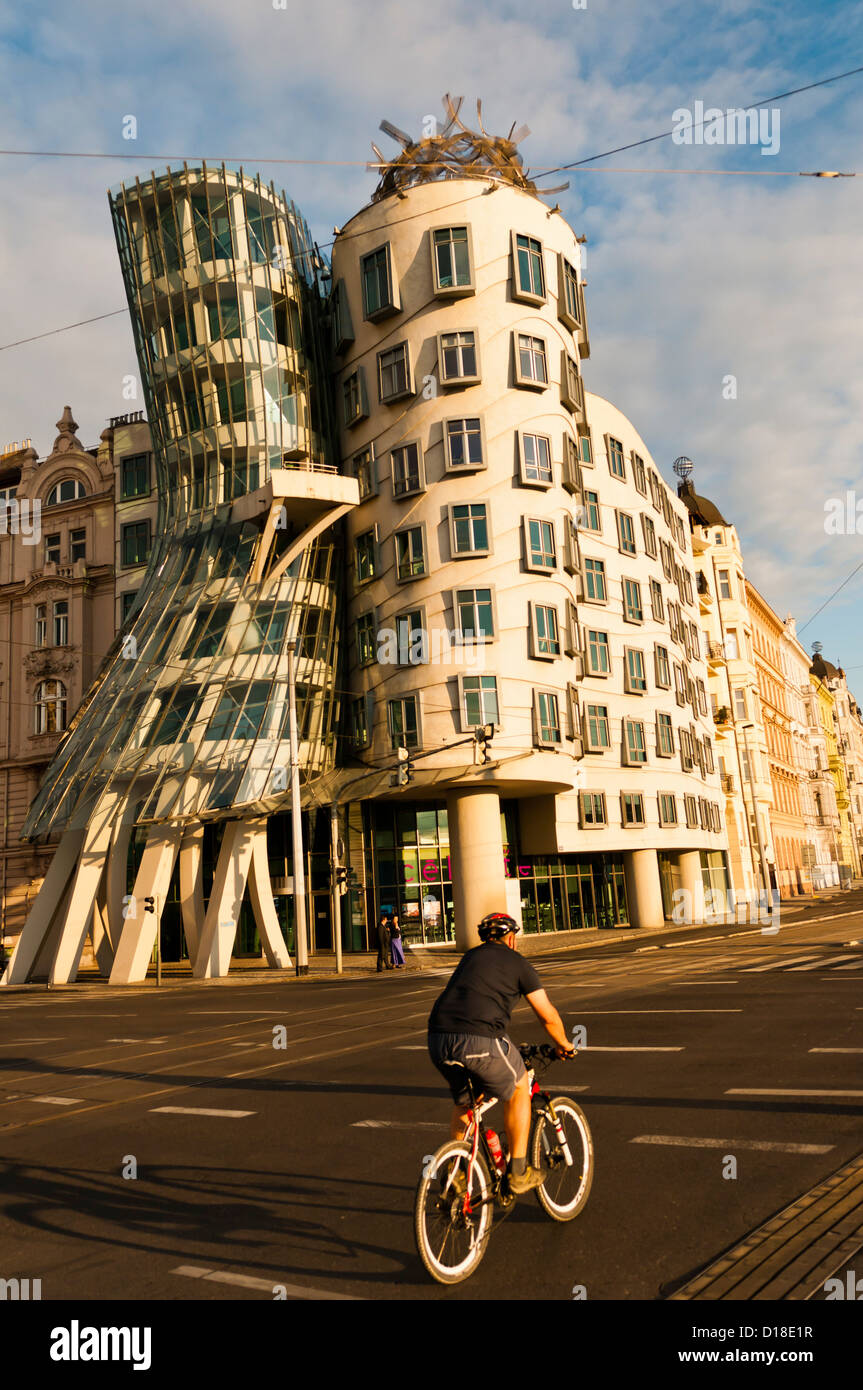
(200, 1110)
(631, 1049)
(54, 1100)
(768, 1091)
(766, 1145)
(268, 1286)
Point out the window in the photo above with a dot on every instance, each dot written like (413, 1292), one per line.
(135, 476)
(547, 714)
(224, 317)
(594, 581)
(687, 751)
(635, 679)
(458, 357)
(663, 670)
(61, 623)
(474, 614)
(360, 722)
(407, 470)
(377, 281)
(657, 607)
(135, 541)
(591, 517)
(667, 809)
(233, 406)
(616, 464)
(363, 467)
(410, 553)
(686, 581)
(702, 696)
(127, 603)
(631, 809)
(740, 710)
(633, 610)
(366, 556)
(469, 528)
(531, 366)
(52, 550)
(50, 699)
(598, 653)
(664, 736)
(585, 448)
(571, 469)
(451, 261)
(544, 631)
(649, 532)
(68, 491)
(592, 808)
(464, 445)
(342, 326)
(529, 271)
(724, 584)
(571, 389)
(41, 625)
(691, 809)
(679, 684)
(625, 533)
(77, 545)
(479, 702)
(639, 474)
(394, 374)
(355, 404)
(541, 551)
(411, 646)
(569, 300)
(666, 558)
(596, 728)
(365, 630)
(403, 722)
(535, 459)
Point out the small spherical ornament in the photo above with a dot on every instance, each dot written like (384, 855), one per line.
(683, 466)
(817, 648)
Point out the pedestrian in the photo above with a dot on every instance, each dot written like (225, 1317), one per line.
(396, 942)
(384, 942)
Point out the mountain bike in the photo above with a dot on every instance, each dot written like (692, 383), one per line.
(463, 1182)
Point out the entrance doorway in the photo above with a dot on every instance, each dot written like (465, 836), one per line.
(322, 922)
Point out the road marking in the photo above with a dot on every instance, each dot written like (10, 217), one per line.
(55, 1100)
(767, 1091)
(19, 1042)
(246, 1281)
(836, 1049)
(777, 964)
(136, 1040)
(198, 1110)
(398, 1124)
(571, 1090)
(660, 1011)
(685, 1142)
(826, 961)
(631, 1049)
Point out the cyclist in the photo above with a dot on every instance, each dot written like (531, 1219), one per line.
(468, 1032)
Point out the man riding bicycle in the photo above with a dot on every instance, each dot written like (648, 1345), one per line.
(468, 1034)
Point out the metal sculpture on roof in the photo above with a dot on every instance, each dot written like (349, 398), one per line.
(455, 152)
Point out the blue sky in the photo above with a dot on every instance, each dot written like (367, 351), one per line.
(690, 278)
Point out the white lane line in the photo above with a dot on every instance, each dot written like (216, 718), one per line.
(660, 1011)
(196, 1110)
(136, 1040)
(768, 1091)
(411, 1047)
(685, 1142)
(227, 1013)
(55, 1100)
(777, 964)
(631, 1049)
(570, 1090)
(19, 1042)
(398, 1124)
(268, 1286)
(696, 984)
(836, 1049)
(826, 962)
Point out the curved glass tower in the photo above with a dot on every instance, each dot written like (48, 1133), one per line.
(188, 718)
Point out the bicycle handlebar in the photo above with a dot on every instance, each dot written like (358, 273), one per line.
(531, 1053)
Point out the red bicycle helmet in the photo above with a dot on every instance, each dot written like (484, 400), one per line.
(497, 925)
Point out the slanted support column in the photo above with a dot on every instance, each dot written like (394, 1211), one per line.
(135, 946)
(643, 888)
(226, 899)
(45, 917)
(689, 863)
(192, 886)
(476, 851)
(263, 903)
(91, 866)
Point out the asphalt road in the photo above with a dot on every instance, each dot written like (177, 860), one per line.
(259, 1166)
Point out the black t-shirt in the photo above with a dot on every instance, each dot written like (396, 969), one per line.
(483, 991)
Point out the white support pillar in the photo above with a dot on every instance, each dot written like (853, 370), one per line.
(226, 899)
(153, 879)
(689, 863)
(476, 850)
(116, 872)
(100, 930)
(91, 866)
(44, 918)
(263, 903)
(192, 886)
(643, 888)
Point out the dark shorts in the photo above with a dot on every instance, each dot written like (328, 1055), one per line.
(494, 1064)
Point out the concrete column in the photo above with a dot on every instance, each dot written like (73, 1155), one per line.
(643, 888)
(153, 879)
(263, 904)
(689, 863)
(476, 853)
(44, 919)
(226, 898)
(192, 885)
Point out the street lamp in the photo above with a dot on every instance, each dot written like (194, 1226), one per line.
(761, 853)
(297, 825)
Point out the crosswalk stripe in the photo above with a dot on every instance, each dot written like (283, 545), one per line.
(832, 960)
(776, 964)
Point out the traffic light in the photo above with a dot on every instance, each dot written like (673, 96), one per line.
(150, 904)
(405, 772)
(342, 879)
(484, 735)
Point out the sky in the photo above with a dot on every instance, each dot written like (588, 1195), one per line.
(692, 279)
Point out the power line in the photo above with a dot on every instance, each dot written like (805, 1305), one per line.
(65, 329)
(832, 596)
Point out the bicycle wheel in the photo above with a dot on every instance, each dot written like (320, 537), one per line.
(451, 1240)
(566, 1187)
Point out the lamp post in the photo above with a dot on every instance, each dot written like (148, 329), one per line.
(761, 853)
(299, 883)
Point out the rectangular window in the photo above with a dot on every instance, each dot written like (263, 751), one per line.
(41, 625)
(531, 366)
(365, 630)
(474, 614)
(410, 553)
(411, 645)
(664, 736)
(687, 751)
(593, 811)
(634, 742)
(633, 610)
(594, 581)
(363, 467)
(691, 808)
(394, 374)
(663, 670)
(77, 545)
(366, 556)
(679, 684)
(458, 357)
(639, 474)
(52, 550)
(631, 809)
(571, 469)
(479, 701)
(740, 710)
(585, 448)
(469, 528)
(657, 607)
(377, 281)
(724, 584)
(596, 728)
(451, 261)
(598, 653)
(355, 405)
(135, 476)
(571, 388)
(407, 470)
(464, 447)
(635, 677)
(535, 457)
(625, 533)
(541, 548)
(224, 317)
(667, 809)
(529, 269)
(135, 542)
(568, 304)
(591, 517)
(61, 623)
(649, 532)
(360, 722)
(547, 712)
(342, 327)
(127, 602)
(402, 718)
(702, 696)
(616, 464)
(546, 634)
